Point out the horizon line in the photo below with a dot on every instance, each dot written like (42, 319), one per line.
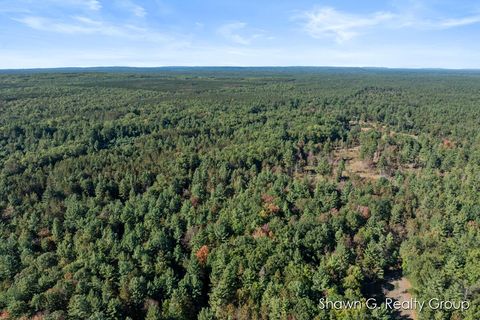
(235, 67)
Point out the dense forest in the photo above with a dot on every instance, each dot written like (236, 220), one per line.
(237, 193)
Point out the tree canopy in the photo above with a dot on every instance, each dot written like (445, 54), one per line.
(236, 194)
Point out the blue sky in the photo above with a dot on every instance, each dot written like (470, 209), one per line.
(396, 33)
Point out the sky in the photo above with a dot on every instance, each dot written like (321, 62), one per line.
(154, 33)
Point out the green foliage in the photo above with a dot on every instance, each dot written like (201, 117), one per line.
(221, 195)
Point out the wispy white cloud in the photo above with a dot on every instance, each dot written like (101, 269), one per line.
(459, 22)
(329, 22)
(82, 25)
(93, 5)
(134, 8)
(235, 32)
(17, 6)
(139, 11)
(230, 32)
(324, 22)
(428, 24)
(77, 25)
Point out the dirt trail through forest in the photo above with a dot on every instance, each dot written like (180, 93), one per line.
(398, 288)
